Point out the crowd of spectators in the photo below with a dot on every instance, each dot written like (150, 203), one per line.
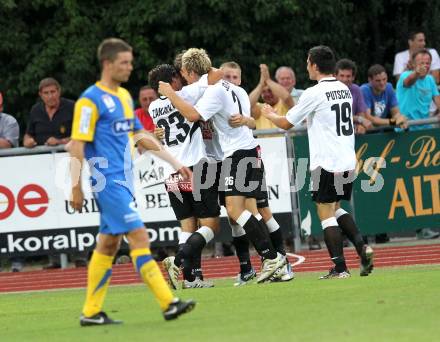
(376, 104)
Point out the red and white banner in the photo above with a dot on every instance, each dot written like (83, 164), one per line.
(34, 190)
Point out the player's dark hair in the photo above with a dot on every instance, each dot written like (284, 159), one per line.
(162, 72)
(421, 52)
(375, 69)
(109, 48)
(346, 64)
(324, 59)
(412, 34)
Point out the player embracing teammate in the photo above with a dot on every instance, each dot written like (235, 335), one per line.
(241, 175)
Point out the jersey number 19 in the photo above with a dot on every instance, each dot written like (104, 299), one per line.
(344, 123)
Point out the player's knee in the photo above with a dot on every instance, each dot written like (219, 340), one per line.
(265, 213)
(233, 211)
(138, 238)
(108, 246)
(211, 222)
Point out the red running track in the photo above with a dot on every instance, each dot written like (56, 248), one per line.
(216, 268)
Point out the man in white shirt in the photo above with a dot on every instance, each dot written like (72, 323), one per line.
(241, 175)
(328, 109)
(416, 42)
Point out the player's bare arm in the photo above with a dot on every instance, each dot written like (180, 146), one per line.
(279, 121)
(238, 120)
(215, 75)
(76, 151)
(149, 142)
(186, 109)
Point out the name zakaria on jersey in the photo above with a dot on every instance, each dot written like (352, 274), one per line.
(183, 138)
(105, 120)
(219, 102)
(328, 109)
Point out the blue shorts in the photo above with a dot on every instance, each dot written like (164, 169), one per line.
(118, 210)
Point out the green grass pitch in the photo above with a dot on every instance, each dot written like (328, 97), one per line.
(395, 304)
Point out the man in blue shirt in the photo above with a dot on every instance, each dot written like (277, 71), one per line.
(380, 99)
(103, 130)
(416, 89)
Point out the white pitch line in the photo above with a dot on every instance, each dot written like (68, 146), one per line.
(300, 258)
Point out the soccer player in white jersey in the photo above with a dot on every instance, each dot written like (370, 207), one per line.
(232, 73)
(183, 139)
(241, 170)
(327, 107)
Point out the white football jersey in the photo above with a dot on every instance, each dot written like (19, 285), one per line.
(183, 139)
(219, 102)
(328, 109)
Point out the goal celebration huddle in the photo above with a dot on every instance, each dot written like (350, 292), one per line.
(204, 132)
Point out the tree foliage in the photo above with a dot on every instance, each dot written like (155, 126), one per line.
(58, 38)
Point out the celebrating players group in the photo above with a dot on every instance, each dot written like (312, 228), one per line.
(208, 141)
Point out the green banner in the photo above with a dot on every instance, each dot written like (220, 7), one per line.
(397, 187)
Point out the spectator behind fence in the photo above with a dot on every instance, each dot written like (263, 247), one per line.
(50, 123)
(345, 72)
(273, 94)
(9, 133)
(415, 91)
(416, 41)
(9, 130)
(50, 120)
(285, 76)
(381, 100)
(146, 96)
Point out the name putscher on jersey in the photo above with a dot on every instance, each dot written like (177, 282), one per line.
(338, 94)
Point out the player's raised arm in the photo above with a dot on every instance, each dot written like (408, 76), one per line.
(279, 121)
(149, 142)
(215, 75)
(186, 109)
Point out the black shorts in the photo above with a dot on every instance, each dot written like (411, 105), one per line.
(198, 202)
(242, 174)
(329, 187)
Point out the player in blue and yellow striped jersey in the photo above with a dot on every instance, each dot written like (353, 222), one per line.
(104, 127)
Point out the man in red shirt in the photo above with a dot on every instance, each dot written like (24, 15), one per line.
(146, 96)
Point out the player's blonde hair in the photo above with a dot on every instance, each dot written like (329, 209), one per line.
(232, 65)
(196, 60)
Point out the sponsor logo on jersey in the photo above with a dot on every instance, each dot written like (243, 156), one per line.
(109, 102)
(122, 126)
(84, 121)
